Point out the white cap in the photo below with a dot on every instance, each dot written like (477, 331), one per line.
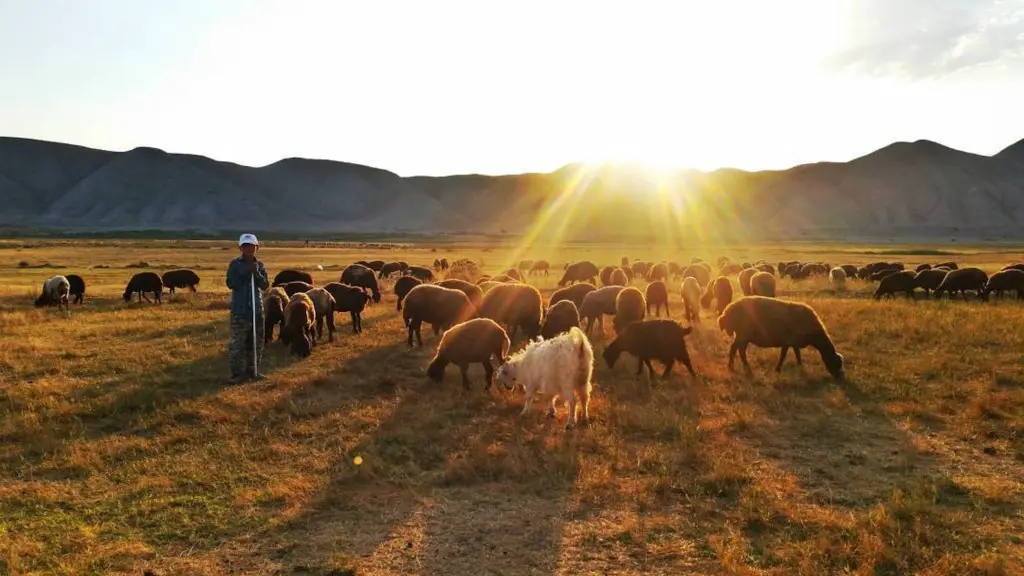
(248, 239)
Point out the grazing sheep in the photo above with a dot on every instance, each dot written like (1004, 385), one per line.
(730, 269)
(375, 265)
(629, 307)
(487, 285)
(576, 293)
(540, 267)
(962, 279)
(690, 293)
(618, 278)
(762, 284)
(629, 276)
(421, 272)
(274, 303)
(606, 275)
(77, 284)
(144, 283)
(444, 263)
(744, 279)
(766, 268)
(657, 295)
(55, 291)
(362, 276)
(851, 271)
(516, 306)
(473, 292)
(624, 262)
(721, 291)
(557, 368)
(930, 279)
(351, 299)
(1010, 267)
(658, 339)
(899, 281)
(296, 286)
(390, 268)
(883, 274)
(837, 278)
(503, 278)
(772, 323)
(324, 306)
(299, 321)
(639, 268)
(514, 274)
(180, 279)
(582, 271)
(597, 304)
(674, 270)
(657, 272)
(1012, 279)
(524, 266)
(951, 265)
(437, 264)
(922, 267)
(285, 276)
(402, 287)
(438, 306)
(560, 317)
(702, 274)
(471, 342)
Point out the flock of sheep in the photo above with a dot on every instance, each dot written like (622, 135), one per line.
(478, 316)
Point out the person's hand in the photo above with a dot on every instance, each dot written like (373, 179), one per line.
(253, 267)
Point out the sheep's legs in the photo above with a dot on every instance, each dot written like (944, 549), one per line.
(319, 327)
(527, 399)
(571, 420)
(585, 406)
(639, 367)
(650, 369)
(799, 361)
(732, 354)
(488, 373)
(465, 376)
(551, 409)
(782, 358)
(743, 358)
(330, 326)
(668, 369)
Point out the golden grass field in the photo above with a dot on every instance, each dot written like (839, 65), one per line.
(122, 449)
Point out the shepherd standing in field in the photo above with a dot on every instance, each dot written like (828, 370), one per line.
(242, 272)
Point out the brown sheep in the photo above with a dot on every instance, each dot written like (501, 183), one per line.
(730, 269)
(472, 291)
(606, 275)
(296, 286)
(323, 305)
(562, 316)
(639, 269)
(744, 279)
(582, 271)
(540, 267)
(619, 278)
(576, 293)
(690, 293)
(762, 284)
(514, 305)
(930, 279)
(657, 295)
(471, 342)
(963, 279)
(503, 278)
(719, 290)
(362, 276)
(438, 306)
(514, 274)
(657, 272)
(299, 322)
(771, 323)
(1012, 279)
(402, 287)
(901, 281)
(629, 307)
(273, 313)
(597, 304)
(659, 339)
(702, 274)
(285, 276)
(351, 299)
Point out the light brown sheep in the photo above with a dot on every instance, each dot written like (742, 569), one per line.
(559, 318)
(744, 280)
(690, 292)
(471, 342)
(762, 284)
(324, 306)
(629, 307)
(299, 322)
(599, 303)
(514, 305)
(657, 295)
(438, 306)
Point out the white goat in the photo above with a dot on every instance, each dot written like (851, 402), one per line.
(837, 276)
(557, 368)
(56, 289)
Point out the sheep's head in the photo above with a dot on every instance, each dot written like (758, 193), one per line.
(43, 300)
(435, 371)
(302, 346)
(611, 353)
(507, 375)
(127, 296)
(834, 364)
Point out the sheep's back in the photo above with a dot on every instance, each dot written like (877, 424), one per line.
(772, 323)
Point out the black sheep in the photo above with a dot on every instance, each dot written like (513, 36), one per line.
(362, 276)
(898, 281)
(77, 287)
(296, 286)
(582, 271)
(285, 276)
(144, 283)
(424, 274)
(180, 279)
(658, 339)
(961, 280)
(402, 287)
(351, 299)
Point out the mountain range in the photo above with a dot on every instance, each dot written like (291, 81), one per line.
(904, 190)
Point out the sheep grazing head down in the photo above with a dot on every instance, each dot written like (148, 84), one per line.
(611, 354)
(506, 375)
(834, 365)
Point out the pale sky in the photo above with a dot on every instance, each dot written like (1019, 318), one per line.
(443, 87)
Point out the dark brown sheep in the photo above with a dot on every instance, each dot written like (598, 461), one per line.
(423, 273)
(922, 267)
(702, 274)
(618, 278)
(516, 306)
(629, 307)
(962, 280)
(471, 342)
(324, 306)
(575, 293)
(144, 283)
(729, 269)
(299, 322)
(1012, 279)
(606, 275)
(1010, 267)
(771, 323)
(559, 318)
(390, 268)
(285, 276)
(295, 287)
(351, 299)
(472, 291)
(657, 272)
(180, 279)
(274, 303)
(762, 284)
(767, 268)
(721, 291)
(438, 306)
(583, 271)
(744, 280)
(655, 339)
(77, 287)
(951, 265)
(657, 295)
(851, 270)
(930, 279)
(514, 274)
(362, 276)
(639, 269)
(597, 304)
(402, 287)
(899, 281)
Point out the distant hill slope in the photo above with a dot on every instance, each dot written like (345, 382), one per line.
(905, 189)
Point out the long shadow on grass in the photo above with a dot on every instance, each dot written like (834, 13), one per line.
(448, 481)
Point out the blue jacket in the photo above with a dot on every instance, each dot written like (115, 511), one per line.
(241, 296)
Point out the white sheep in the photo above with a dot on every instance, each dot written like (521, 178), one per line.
(837, 276)
(55, 290)
(691, 292)
(557, 368)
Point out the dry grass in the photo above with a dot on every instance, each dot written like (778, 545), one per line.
(121, 449)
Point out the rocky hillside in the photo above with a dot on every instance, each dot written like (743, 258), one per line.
(918, 189)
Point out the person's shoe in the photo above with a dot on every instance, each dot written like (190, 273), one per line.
(235, 380)
(256, 377)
